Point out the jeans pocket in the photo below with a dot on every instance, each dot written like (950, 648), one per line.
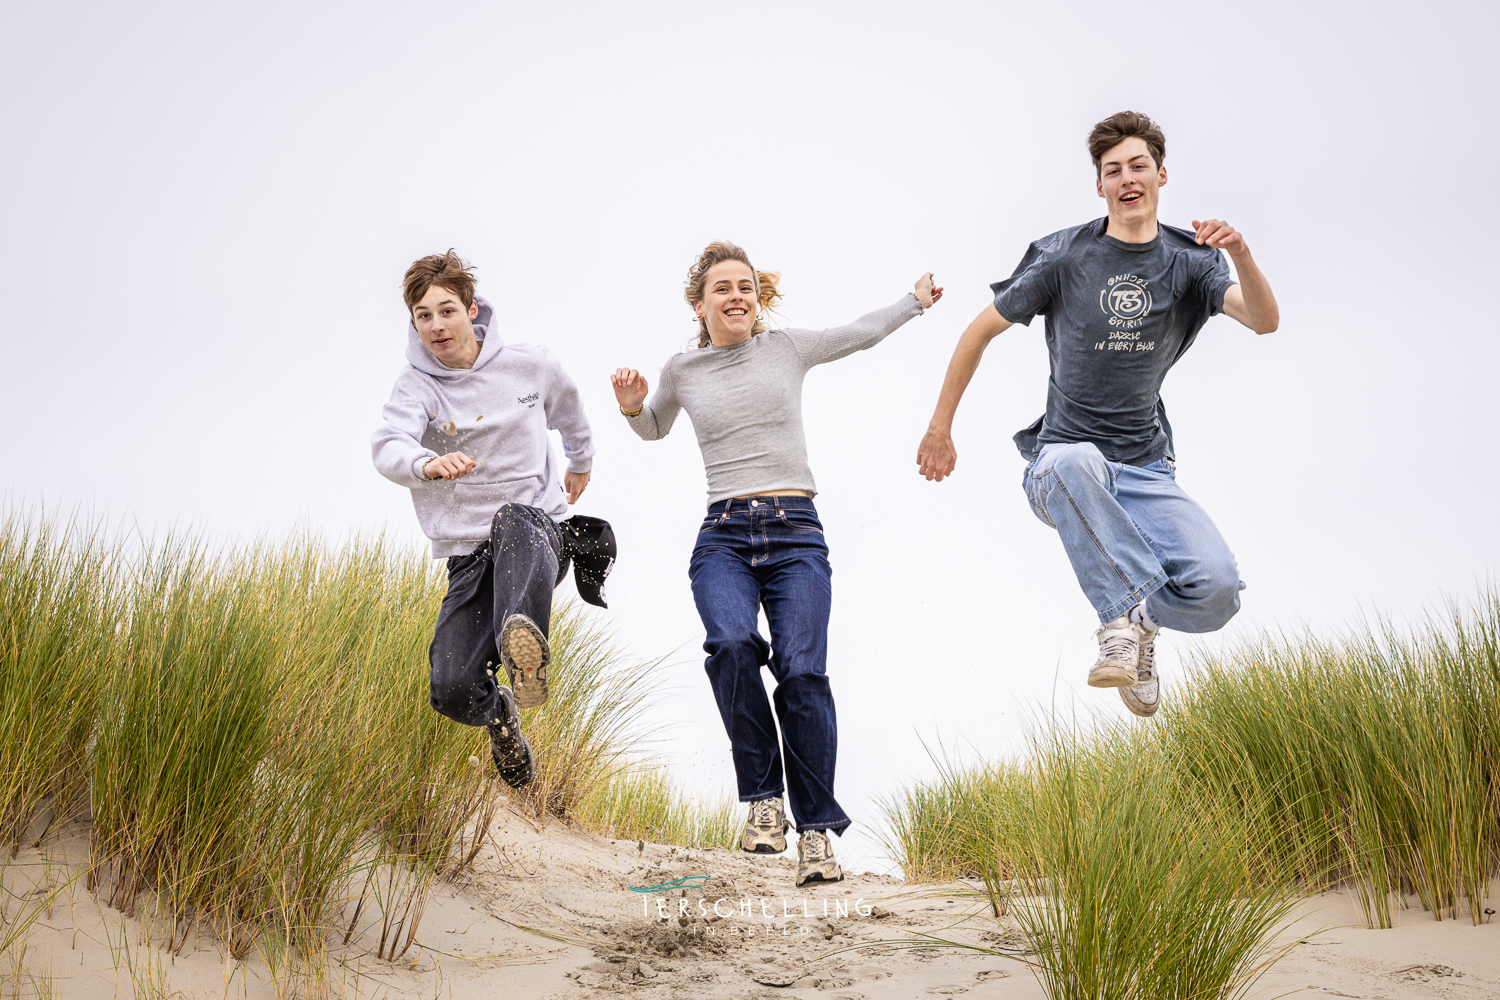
(709, 523)
(801, 520)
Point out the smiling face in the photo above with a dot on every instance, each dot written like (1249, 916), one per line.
(729, 305)
(446, 327)
(1129, 182)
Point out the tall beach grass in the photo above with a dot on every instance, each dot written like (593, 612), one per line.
(248, 733)
(1280, 768)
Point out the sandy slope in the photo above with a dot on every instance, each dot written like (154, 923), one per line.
(549, 914)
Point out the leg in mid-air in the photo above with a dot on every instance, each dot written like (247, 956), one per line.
(1146, 555)
(507, 579)
(525, 547)
(797, 591)
(727, 595)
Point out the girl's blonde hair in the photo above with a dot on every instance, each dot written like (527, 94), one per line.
(716, 252)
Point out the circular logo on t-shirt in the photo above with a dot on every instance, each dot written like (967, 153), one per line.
(1126, 299)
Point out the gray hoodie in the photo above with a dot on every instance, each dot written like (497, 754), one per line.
(498, 413)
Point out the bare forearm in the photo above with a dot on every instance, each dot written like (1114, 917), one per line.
(1261, 312)
(936, 455)
(963, 364)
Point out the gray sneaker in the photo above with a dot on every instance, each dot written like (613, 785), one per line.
(815, 861)
(765, 830)
(1144, 696)
(1119, 651)
(525, 653)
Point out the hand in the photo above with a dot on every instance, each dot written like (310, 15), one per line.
(926, 294)
(455, 465)
(1220, 235)
(936, 455)
(630, 388)
(574, 483)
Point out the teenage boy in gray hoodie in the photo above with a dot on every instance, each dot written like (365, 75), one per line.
(466, 430)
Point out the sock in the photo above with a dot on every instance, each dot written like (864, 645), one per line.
(1140, 616)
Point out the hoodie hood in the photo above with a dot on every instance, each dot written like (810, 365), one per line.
(490, 344)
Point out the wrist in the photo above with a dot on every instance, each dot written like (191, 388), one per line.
(943, 428)
(635, 412)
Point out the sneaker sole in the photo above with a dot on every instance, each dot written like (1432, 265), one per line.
(763, 848)
(819, 878)
(1136, 707)
(524, 652)
(1109, 675)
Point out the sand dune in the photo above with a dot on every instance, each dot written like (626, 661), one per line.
(549, 913)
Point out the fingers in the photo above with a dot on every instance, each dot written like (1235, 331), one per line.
(1215, 233)
(937, 293)
(936, 460)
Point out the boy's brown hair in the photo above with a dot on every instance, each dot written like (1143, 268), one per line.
(1118, 127)
(447, 270)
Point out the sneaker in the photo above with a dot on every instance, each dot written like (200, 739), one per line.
(815, 861)
(1144, 696)
(525, 653)
(1119, 652)
(508, 747)
(765, 830)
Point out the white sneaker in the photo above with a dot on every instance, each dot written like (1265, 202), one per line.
(815, 861)
(1144, 696)
(765, 829)
(1119, 652)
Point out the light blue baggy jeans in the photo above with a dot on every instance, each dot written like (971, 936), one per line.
(1133, 535)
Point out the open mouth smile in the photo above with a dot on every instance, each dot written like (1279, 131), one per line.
(1134, 196)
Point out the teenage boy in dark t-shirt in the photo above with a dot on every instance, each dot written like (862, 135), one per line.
(1124, 298)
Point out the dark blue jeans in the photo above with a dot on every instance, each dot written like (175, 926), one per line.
(769, 552)
(512, 573)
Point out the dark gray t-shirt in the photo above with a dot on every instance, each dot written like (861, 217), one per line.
(1119, 315)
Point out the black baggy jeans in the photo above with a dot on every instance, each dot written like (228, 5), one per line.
(512, 573)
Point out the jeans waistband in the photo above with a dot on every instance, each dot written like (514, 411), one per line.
(757, 504)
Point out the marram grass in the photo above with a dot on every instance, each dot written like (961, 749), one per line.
(249, 735)
(1156, 858)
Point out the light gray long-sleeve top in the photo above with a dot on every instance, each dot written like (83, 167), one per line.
(746, 400)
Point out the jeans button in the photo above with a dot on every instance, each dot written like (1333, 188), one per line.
(755, 503)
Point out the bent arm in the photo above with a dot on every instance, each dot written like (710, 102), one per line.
(815, 347)
(396, 446)
(1251, 301)
(657, 413)
(565, 413)
(936, 455)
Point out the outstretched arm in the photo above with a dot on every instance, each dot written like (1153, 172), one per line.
(816, 347)
(936, 455)
(1250, 302)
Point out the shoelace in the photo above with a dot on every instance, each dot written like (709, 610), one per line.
(765, 813)
(814, 846)
(1118, 647)
(1145, 669)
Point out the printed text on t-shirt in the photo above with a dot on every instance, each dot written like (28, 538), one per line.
(1126, 300)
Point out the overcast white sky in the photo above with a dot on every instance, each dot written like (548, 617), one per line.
(207, 210)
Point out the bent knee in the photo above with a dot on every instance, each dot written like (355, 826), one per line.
(1215, 587)
(1081, 459)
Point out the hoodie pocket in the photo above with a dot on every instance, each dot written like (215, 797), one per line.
(475, 504)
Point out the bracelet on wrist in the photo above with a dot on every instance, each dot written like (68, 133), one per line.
(637, 412)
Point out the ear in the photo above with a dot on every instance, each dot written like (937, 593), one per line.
(700, 308)
(1161, 176)
(474, 310)
(1099, 186)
